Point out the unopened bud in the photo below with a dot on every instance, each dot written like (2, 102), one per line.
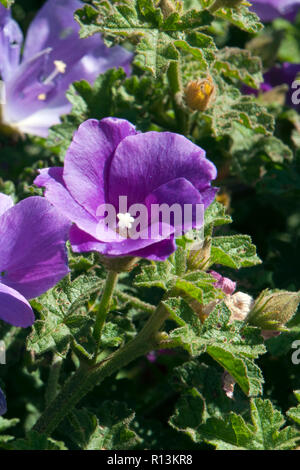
(200, 93)
(273, 309)
(199, 259)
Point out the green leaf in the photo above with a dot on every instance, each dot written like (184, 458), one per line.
(231, 108)
(4, 425)
(294, 413)
(239, 64)
(215, 216)
(247, 374)
(7, 3)
(234, 251)
(37, 441)
(109, 430)
(265, 432)
(157, 38)
(233, 348)
(63, 315)
(160, 274)
(240, 17)
(188, 413)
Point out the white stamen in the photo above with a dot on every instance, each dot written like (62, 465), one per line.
(60, 67)
(125, 220)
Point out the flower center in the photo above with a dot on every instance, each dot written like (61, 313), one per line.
(59, 68)
(125, 220)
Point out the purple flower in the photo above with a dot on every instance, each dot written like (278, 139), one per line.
(53, 57)
(227, 285)
(3, 407)
(268, 10)
(109, 159)
(33, 255)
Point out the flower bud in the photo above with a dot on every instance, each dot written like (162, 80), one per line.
(200, 93)
(273, 309)
(199, 259)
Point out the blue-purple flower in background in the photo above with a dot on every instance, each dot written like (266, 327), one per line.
(2, 403)
(33, 255)
(281, 74)
(268, 10)
(53, 57)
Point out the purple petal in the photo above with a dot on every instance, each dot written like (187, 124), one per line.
(158, 251)
(6, 203)
(11, 39)
(57, 193)
(33, 255)
(144, 162)
(3, 405)
(88, 158)
(268, 10)
(180, 192)
(25, 88)
(143, 247)
(14, 308)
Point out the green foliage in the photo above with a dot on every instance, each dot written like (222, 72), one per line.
(37, 441)
(109, 430)
(231, 345)
(63, 316)
(159, 39)
(7, 3)
(264, 433)
(4, 425)
(294, 413)
(234, 251)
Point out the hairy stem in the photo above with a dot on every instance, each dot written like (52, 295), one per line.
(174, 78)
(135, 302)
(103, 309)
(88, 376)
(53, 380)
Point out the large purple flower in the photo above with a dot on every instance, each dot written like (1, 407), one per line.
(53, 57)
(268, 10)
(3, 406)
(33, 255)
(109, 159)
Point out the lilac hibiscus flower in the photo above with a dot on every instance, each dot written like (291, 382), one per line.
(108, 160)
(53, 57)
(33, 255)
(268, 10)
(2, 403)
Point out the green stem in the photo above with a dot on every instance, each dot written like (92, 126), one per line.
(52, 385)
(87, 376)
(216, 6)
(174, 78)
(103, 309)
(135, 302)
